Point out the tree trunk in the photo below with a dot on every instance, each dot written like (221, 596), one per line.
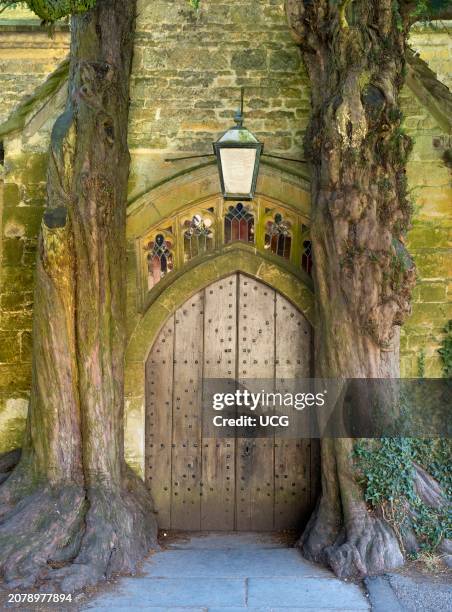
(354, 53)
(72, 511)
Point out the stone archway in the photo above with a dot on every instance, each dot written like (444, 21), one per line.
(164, 205)
(182, 288)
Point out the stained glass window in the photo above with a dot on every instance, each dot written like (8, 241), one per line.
(159, 259)
(306, 259)
(278, 237)
(198, 236)
(193, 232)
(239, 224)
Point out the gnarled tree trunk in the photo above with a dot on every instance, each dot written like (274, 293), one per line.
(72, 511)
(355, 57)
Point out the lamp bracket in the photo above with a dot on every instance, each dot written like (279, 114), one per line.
(291, 159)
(175, 159)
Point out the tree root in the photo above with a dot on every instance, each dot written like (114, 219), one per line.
(341, 533)
(320, 533)
(372, 550)
(18, 485)
(8, 462)
(120, 529)
(428, 489)
(71, 537)
(34, 531)
(368, 548)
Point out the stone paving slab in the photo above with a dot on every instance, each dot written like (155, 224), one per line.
(238, 572)
(227, 540)
(136, 606)
(177, 592)
(238, 562)
(381, 596)
(314, 593)
(286, 609)
(222, 609)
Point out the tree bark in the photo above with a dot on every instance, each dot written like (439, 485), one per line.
(72, 511)
(354, 53)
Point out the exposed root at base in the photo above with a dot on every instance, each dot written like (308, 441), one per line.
(71, 538)
(40, 527)
(369, 547)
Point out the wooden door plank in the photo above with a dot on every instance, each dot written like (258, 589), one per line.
(292, 456)
(218, 454)
(159, 404)
(255, 360)
(186, 435)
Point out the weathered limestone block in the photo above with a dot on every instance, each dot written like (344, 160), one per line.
(13, 414)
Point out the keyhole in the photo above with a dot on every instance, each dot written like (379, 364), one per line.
(247, 451)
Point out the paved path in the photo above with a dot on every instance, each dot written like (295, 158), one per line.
(230, 573)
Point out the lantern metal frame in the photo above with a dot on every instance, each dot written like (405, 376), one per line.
(246, 141)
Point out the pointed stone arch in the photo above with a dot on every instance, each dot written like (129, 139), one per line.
(277, 185)
(188, 284)
(288, 184)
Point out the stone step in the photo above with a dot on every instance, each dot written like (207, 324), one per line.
(226, 540)
(240, 562)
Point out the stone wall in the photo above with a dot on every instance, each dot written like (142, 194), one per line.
(434, 43)
(27, 55)
(188, 69)
(187, 74)
(429, 241)
(23, 196)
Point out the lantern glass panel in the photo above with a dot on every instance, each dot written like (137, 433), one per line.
(238, 169)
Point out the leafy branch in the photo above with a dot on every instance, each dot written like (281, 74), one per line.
(386, 469)
(429, 10)
(51, 10)
(8, 4)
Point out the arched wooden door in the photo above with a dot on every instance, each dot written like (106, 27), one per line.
(235, 328)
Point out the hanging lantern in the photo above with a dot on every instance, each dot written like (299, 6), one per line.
(238, 154)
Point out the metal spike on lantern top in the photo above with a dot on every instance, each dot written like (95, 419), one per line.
(238, 117)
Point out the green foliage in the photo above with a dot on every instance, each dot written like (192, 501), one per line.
(422, 9)
(446, 350)
(386, 471)
(397, 15)
(426, 10)
(195, 4)
(435, 456)
(9, 4)
(52, 10)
